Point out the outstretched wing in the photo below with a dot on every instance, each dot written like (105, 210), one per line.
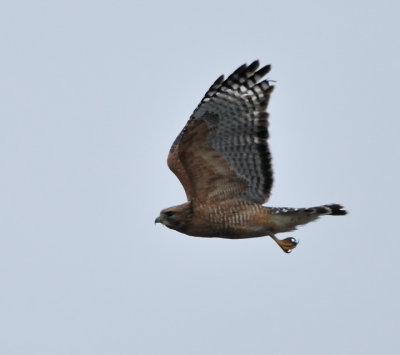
(222, 152)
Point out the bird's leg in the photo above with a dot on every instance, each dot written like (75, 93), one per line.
(287, 244)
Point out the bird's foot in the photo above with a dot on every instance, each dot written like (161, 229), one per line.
(287, 245)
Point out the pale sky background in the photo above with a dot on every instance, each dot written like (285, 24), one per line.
(92, 95)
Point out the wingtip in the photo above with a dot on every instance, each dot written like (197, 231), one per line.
(264, 70)
(253, 66)
(219, 80)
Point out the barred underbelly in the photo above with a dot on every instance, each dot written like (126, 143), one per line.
(232, 220)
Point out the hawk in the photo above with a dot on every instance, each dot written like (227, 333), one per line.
(223, 161)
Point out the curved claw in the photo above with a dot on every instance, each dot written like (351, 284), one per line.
(287, 245)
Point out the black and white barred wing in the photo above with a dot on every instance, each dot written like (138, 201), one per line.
(222, 152)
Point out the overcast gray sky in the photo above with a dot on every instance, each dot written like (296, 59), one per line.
(93, 94)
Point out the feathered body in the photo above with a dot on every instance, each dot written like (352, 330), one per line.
(223, 161)
(238, 219)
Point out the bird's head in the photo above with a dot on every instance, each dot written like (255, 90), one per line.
(176, 217)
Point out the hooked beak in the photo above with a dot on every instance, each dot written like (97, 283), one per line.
(158, 220)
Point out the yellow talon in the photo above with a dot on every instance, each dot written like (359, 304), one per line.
(287, 245)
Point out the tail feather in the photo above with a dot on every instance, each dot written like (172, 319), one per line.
(287, 219)
(333, 209)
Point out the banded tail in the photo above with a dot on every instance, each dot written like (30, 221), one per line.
(287, 219)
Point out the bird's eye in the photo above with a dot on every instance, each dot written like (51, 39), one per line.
(169, 213)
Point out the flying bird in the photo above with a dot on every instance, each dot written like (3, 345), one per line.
(223, 161)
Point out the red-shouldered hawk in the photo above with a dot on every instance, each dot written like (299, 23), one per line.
(222, 159)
